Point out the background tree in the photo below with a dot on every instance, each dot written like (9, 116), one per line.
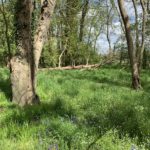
(7, 42)
(135, 53)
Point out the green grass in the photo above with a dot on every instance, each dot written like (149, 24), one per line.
(80, 110)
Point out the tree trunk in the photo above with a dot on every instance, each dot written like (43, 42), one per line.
(140, 56)
(84, 12)
(42, 28)
(22, 75)
(26, 61)
(60, 58)
(108, 24)
(148, 6)
(136, 26)
(2, 10)
(140, 48)
(132, 55)
(97, 35)
(145, 59)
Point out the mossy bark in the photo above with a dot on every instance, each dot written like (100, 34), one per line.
(22, 75)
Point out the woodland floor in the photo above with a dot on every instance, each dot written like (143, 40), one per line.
(80, 110)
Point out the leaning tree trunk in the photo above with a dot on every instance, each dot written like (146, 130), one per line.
(40, 37)
(22, 75)
(132, 55)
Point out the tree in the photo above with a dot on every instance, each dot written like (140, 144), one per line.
(42, 28)
(82, 20)
(109, 11)
(6, 32)
(135, 53)
(134, 65)
(2, 10)
(25, 63)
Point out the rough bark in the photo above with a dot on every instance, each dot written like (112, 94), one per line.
(132, 55)
(22, 76)
(47, 8)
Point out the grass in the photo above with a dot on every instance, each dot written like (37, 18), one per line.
(80, 110)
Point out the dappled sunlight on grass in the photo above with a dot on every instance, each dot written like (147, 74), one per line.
(80, 109)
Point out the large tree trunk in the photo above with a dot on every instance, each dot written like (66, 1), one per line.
(42, 28)
(132, 55)
(22, 75)
(25, 63)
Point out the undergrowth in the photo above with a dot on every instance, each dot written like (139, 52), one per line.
(80, 110)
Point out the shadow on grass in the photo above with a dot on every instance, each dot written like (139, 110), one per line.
(5, 86)
(127, 119)
(58, 107)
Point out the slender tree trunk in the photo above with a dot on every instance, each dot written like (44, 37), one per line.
(140, 56)
(87, 61)
(136, 26)
(60, 58)
(121, 22)
(42, 28)
(144, 59)
(96, 36)
(84, 12)
(132, 55)
(22, 76)
(148, 6)
(2, 10)
(108, 24)
(140, 49)
(121, 56)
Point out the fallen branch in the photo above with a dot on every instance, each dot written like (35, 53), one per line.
(105, 62)
(72, 67)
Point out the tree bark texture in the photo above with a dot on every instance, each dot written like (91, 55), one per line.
(22, 75)
(47, 8)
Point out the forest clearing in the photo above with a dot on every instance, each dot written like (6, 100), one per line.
(80, 109)
(74, 74)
